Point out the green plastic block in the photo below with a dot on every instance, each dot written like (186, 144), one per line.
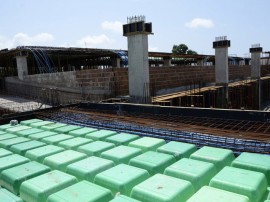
(100, 134)
(11, 161)
(55, 139)
(81, 192)
(4, 152)
(7, 136)
(123, 198)
(74, 143)
(9, 142)
(25, 146)
(12, 178)
(199, 173)
(245, 182)
(40, 153)
(38, 189)
(122, 138)
(66, 129)
(2, 132)
(178, 149)
(61, 160)
(121, 154)
(6, 196)
(7, 126)
(27, 132)
(219, 157)
(30, 121)
(95, 148)
(39, 136)
(153, 162)
(40, 123)
(82, 131)
(255, 162)
(160, 188)
(88, 168)
(17, 129)
(211, 194)
(147, 143)
(121, 178)
(52, 126)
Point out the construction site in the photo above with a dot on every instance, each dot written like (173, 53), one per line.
(216, 100)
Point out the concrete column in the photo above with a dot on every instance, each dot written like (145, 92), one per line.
(116, 62)
(22, 67)
(255, 61)
(138, 68)
(221, 60)
(167, 61)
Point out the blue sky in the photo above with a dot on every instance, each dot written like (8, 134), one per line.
(97, 24)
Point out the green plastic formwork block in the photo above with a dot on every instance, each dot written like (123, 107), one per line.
(245, 182)
(14, 130)
(11, 161)
(9, 142)
(2, 132)
(199, 173)
(39, 136)
(82, 131)
(21, 148)
(81, 192)
(38, 189)
(6, 196)
(52, 126)
(147, 143)
(123, 198)
(121, 178)
(66, 129)
(40, 123)
(255, 162)
(7, 126)
(95, 148)
(178, 149)
(219, 157)
(100, 134)
(153, 162)
(40, 153)
(7, 136)
(4, 152)
(55, 139)
(122, 138)
(74, 143)
(27, 132)
(161, 188)
(61, 160)
(30, 121)
(88, 168)
(121, 154)
(211, 194)
(12, 178)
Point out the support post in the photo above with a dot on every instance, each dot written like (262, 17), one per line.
(22, 67)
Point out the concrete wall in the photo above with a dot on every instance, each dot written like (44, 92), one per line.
(104, 83)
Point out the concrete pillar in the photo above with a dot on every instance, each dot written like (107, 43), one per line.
(255, 61)
(22, 67)
(221, 60)
(116, 62)
(167, 61)
(138, 65)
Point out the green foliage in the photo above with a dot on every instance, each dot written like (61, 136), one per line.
(182, 49)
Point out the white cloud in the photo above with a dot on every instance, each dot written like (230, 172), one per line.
(153, 49)
(115, 26)
(22, 39)
(200, 22)
(100, 41)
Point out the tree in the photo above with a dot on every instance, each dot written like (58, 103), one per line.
(180, 49)
(183, 49)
